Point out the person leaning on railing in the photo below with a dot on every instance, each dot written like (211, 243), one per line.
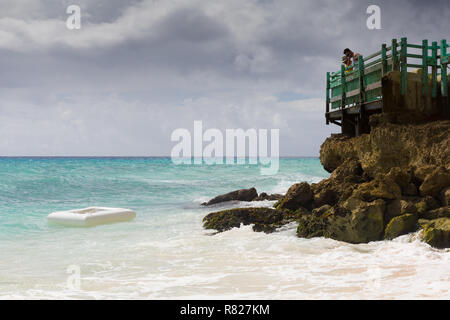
(350, 58)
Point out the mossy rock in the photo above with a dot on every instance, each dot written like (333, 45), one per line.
(445, 196)
(237, 195)
(400, 176)
(299, 195)
(379, 188)
(399, 207)
(421, 172)
(401, 225)
(437, 233)
(443, 212)
(435, 182)
(264, 219)
(363, 224)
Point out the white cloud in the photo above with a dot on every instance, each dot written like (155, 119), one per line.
(139, 69)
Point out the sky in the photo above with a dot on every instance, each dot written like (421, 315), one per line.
(139, 69)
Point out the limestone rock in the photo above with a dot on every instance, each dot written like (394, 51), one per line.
(380, 188)
(325, 197)
(321, 210)
(362, 225)
(391, 145)
(443, 212)
(400, 176)
(298, 195)
(399, 207)
(232, 218)
(410, 190)
(437, 233)
(435, 182)
(445, 196)
(264, 196)
(421, 172)
(238, 195)
(401, 225)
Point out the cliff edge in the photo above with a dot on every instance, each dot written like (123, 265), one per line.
(390, 182)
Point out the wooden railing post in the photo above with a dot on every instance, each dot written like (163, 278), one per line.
(395, 64)
(434, 48)
(444, 64)
(343, 86)
(362, 87)
(403, 66)
(327, 108)
(383, 59)
(424, 67)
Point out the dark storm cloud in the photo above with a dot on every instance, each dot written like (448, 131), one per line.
(159, 65)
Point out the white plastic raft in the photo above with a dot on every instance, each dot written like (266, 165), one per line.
(91, 216)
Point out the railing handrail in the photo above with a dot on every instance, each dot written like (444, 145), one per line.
(389, 58)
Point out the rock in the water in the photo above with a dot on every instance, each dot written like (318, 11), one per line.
(298, 196)
(361, 225)
(340, 185)
(325, 197)
(435, 182)
(437, 233)
(264, 196)
(264, 219)
(238, 195)
(401, 225)
(399, 207)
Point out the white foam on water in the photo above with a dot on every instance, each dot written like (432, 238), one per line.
(237, 264)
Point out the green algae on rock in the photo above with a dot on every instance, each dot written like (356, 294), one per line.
(401, 225)
(264, 219)
(298, 196)
(382, 185)
(437, 233)
(361, 225)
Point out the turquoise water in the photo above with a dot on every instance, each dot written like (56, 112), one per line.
(31, 188)
(166, 254)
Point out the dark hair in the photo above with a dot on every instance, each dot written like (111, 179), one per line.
(346, 50)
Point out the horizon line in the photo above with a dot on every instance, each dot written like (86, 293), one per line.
(28, 156)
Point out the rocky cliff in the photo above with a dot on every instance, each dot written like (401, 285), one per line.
(388, 183)
(390, 144)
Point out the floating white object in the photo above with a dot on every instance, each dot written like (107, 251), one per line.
(91, 216)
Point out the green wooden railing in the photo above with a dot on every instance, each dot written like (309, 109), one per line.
(360, 83)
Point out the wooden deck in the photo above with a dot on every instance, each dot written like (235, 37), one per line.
(355, 92)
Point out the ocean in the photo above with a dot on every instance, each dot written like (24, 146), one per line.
(166, 254)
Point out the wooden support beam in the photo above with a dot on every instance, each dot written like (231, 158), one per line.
(404, 66)
(327, 108)
(383, 59)
(362, 93)
(343, 86)
(444, 65)
(395, 63)
(424, 67)
(434, 48)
